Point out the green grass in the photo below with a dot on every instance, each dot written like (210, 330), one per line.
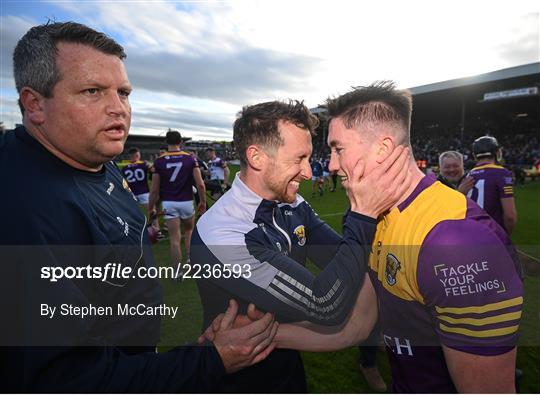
(337, 372)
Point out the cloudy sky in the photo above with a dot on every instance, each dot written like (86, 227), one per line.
(194, 64)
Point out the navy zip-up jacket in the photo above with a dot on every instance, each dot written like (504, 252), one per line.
(57, 216)
(268, 243)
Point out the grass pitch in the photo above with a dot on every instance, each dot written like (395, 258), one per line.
(337, 372)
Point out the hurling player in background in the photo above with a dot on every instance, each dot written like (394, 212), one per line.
(326, 174)
(204, 172)
(445, 274)
(493, 189)
(317, 177)
(175, 173)
(219, 173)
(136, 175)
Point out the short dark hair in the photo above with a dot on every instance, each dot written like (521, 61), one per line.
(208, 149)
(173, 137)
(34, 57)
(258, 124)
(378, 102)
(133, 150)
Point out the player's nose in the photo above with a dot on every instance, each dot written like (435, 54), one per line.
(334, 162)
(306, 170)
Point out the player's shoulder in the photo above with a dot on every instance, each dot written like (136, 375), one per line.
(473, 224)
(505, 172)
(300, 207)
(227, 222)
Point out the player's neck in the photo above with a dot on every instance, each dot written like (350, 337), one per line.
(172, 148)
(416, 177)
(485, 162)
(256, 184)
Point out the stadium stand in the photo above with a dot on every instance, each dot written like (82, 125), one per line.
(449, 115)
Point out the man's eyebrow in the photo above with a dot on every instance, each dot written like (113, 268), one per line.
(332, 143)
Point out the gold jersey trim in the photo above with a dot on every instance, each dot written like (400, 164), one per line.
(481, 309)
(487, 333)
(482, 321)
(488, 166)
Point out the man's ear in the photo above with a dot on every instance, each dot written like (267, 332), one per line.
(386, 147)
(256, 157)
(33, 104)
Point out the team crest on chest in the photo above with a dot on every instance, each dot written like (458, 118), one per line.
(392, 267)
(127, 188)
(300, 233)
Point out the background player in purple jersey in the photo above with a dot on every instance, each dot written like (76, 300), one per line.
(175, 173)
(136, 174)
(494, 188)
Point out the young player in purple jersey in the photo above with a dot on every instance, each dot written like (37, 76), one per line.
(175, 173)
(447, 281)
(494, 188)
(136, 174)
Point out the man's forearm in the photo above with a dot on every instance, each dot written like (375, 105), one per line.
(201, 190)
(152, 200)
(509, 224)
(306, 336)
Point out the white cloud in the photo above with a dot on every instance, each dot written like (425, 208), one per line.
(221, 55)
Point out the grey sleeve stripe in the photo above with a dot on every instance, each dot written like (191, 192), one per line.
(309, 304)
(296, 306)
(325, 298)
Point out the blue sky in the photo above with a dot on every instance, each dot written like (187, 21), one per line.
(194, 64)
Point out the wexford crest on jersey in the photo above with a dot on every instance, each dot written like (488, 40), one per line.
(300, 233)
(392, 267)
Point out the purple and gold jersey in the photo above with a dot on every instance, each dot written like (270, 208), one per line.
(136, 174)
(175, 169)
(445, 274)
(493, 183)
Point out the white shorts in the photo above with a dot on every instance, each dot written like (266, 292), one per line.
(182, 210)
(326, 174)
(143, 198)
(316, 178)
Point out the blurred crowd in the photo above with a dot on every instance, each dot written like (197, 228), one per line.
(520, 141)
